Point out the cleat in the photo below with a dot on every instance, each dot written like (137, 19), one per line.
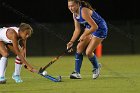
(17, 78)
(96, 72)
(2, 80)
(75, 75)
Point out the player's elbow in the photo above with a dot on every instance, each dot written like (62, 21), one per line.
(94, 28)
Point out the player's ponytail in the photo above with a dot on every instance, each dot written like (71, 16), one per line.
(84, 3)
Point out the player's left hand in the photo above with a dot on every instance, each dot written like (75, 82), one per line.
(82, 37)
(25, 66)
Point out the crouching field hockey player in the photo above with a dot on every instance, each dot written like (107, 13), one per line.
(95, 32)
(9, 40)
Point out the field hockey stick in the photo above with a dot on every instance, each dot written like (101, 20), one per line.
(54, 60)
(52, 78)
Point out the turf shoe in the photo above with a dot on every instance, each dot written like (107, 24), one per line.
(2, 80)
(75, 75)
(17, 78)
(96, 72)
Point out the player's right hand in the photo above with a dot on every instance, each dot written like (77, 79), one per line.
(34, 70)
(30, 69)
(70, 44)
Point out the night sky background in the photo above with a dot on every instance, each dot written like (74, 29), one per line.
(52, 21)
(57, 10)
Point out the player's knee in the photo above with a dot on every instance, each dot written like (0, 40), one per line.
(5, 54)
(89, 53)
(79, 49)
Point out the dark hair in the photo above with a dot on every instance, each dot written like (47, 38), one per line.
(82, 3)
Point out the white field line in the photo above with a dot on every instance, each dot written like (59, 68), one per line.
(85, 76)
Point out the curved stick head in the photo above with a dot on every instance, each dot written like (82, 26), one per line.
(41, 70)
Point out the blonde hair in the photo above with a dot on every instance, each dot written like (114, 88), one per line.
(24, 26)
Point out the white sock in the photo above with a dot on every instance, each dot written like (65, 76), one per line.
(3, 64)
(18, 66)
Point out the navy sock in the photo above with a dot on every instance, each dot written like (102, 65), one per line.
(94, 61)
(78, 61)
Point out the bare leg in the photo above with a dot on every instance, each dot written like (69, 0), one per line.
(18, 65)
(79, 57)
(3, 62)
(92, 57)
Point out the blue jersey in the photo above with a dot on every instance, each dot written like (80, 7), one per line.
(101, 32)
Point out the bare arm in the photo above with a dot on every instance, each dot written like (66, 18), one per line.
(75, 33)
(13, 36)
(86, 14)
(23, 47)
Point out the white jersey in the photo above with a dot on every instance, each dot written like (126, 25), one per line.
(3, 36)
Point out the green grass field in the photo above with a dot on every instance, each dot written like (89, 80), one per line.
(119, 74)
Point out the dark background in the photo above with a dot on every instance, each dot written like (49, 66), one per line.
(53, 24)
(57, 10)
